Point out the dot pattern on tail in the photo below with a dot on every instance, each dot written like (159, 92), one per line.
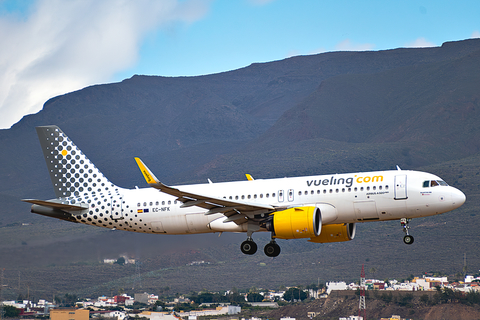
(72, 173)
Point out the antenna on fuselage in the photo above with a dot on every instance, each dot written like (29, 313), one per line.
(398, 168)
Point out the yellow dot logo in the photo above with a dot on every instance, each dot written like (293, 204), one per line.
(64, 152)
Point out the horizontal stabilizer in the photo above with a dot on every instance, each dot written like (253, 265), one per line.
(57, 204)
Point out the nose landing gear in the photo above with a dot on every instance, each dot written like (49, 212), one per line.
(407, 239)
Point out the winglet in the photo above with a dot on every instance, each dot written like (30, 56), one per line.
(147, 174)
(249, 177)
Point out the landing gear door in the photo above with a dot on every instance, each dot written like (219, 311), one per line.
(401, 187)
(117, 210)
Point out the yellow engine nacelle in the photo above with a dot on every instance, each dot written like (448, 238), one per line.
(297, 223)
(335, 233)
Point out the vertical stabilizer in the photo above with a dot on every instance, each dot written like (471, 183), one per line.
(72, 173)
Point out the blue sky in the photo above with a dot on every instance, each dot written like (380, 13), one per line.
(52, 47)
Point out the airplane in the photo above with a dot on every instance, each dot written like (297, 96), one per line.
(322, 208)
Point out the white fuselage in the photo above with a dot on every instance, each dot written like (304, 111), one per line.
(355, 197)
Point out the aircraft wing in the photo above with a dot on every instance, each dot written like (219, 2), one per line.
(234, 210)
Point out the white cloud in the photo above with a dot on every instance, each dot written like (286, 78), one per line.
(62, 46)
(475, 34)
(420, 43)
(347, 45)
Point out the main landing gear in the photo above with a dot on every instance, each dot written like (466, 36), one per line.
(407, 239)
(248, 246)
(272, 249)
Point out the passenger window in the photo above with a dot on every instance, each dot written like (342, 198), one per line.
(299, 193)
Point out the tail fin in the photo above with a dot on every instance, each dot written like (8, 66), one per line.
(72, 173)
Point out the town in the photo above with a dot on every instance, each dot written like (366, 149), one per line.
(229, 304)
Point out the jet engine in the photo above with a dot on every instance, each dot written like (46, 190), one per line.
(335, 233)
(296, 223)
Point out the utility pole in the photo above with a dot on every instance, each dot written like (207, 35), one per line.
(362, 308)
(1, 295)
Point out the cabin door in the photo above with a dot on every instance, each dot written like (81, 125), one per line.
(400, 187)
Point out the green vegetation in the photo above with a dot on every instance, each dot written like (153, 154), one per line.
(295, 294)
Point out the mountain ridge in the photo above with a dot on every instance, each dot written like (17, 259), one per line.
(299, 116)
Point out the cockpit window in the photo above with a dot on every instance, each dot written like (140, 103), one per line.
(434, 183)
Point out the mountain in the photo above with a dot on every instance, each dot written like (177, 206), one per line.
(331, 112)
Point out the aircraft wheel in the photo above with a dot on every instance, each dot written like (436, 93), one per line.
(272, 249)
(408, 239)
(248, 247)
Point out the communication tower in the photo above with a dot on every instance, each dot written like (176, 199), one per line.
(138, 275)
(362, 308)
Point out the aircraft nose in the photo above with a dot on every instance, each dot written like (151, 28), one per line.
(458, 198)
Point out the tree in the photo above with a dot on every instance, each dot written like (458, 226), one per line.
(120, 261)
(11, 312)
(254, 297)
(295, 294)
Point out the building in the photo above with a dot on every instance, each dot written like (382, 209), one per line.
(69, 314)
(342, 285)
